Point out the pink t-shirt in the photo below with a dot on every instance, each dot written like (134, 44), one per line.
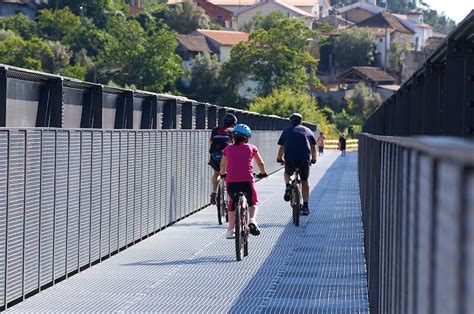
(239, 162)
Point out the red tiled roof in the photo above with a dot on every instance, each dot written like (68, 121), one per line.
(225, 38)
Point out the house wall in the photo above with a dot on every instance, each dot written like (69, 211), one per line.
(224, 53)
(219, 15)
(420, 37)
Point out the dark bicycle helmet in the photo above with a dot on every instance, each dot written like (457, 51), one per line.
(296, 118)
(230, 119)
(242, 130)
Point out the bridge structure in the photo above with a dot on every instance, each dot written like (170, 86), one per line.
(104, 203)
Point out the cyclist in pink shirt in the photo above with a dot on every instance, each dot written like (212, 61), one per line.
(237, 161)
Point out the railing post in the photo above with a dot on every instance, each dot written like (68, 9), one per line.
(187, 115)
(221, 112)
(169, 114)
(3, 97)
(459, 81)
(211, 117)
(123, 113)
(431, 91)
(201, 116)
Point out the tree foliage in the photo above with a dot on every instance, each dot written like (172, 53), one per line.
(274, 58)
(284, 101)
(185, 17)
(32, 54)
(354, 47)
(55, 24)
(19, 24)
(205, 85)
(363, 101)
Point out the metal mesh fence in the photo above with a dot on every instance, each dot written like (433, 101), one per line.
(70, 198)
(417, 200)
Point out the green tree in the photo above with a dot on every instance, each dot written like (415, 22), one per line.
(284, 101)
(87, 36)
(75, 71)
(205, 84)
(363, 101)
(185, 17)
(96, 10)
(344, 121)
(440, 22)
(159, 66)
(354, 47)
(273, 58)
(55, 24)
(396, 57)
(34, 54)
(20, 24)
(61, 56)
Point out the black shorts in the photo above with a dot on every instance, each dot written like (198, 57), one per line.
(302, 165)
(321, 149)
(247, 187)
(214, 164)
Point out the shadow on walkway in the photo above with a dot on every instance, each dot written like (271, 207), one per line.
(318, 266)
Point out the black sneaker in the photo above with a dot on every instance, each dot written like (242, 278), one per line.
(254, 230)
(287, 195)
(305, 210)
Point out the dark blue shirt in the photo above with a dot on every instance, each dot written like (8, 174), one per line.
(297, 140)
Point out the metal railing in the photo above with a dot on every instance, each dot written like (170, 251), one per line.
(87, 170)
(418, 211)
(36, 99)
(417, 193)
(71, 198)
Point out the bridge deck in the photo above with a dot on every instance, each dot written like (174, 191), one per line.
(190, 266)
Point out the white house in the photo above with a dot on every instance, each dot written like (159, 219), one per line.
(222, 42)
(268, 6)
(414, 21)
(314, 7)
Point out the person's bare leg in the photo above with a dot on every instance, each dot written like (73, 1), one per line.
(287, 178)
(253, 211)
(305, 190)
(231, 225)
(214, 180)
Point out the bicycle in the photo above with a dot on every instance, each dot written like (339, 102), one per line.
(295, 195)
(221, 201)
(242, 229)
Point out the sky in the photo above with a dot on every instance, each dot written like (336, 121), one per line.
(455, 9)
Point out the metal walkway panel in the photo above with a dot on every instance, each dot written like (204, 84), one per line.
(318, 267)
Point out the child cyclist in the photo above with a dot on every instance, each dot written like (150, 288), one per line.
(237, 161)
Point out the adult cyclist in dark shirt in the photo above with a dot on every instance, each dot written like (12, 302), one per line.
(298, 145)
(220, 138)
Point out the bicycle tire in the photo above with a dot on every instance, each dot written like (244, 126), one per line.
(296, 204)
(238, 232)
(245, 230)
(218, 204)
(225, 202)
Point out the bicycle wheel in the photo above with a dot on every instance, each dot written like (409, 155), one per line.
(219, 203)
(238, 232)
(224, 202)
(296, 205)
(245, 230)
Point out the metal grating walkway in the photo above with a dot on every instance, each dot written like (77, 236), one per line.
(318, 267)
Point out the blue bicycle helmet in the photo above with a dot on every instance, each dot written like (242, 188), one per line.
(242, 129)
